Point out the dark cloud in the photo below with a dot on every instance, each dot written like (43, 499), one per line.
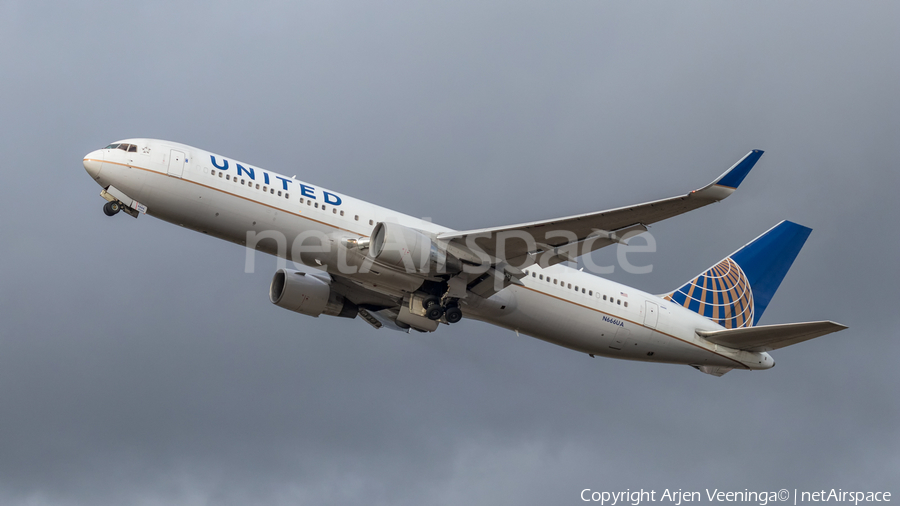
(139, 364)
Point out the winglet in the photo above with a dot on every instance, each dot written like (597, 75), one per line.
(728, 182)
(733, 177)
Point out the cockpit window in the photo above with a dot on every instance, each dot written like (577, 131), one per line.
(130, 148)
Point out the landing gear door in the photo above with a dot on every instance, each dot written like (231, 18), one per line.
(621, 339)
(176, 163)
(651, 314)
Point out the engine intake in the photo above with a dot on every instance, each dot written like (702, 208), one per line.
(308, 294)
(407, 249)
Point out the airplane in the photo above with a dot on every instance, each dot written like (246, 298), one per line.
(399, 272)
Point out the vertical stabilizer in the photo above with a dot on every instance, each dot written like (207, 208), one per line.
(736, 291)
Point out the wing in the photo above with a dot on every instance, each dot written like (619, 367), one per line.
(553, 241)
(770, 337)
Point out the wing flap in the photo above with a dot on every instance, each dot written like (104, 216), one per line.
(770, 337)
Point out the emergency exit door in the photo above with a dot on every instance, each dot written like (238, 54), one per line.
(176, 163)
(651, 314)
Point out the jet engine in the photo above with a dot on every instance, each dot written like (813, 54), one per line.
(308, 294)
(407, 249)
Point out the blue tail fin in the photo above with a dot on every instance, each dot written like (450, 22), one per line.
(736, 291)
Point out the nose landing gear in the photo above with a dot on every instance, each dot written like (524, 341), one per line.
(111, 208)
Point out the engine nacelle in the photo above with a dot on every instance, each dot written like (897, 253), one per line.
(308, 294)
(407, 249)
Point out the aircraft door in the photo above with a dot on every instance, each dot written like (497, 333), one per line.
(651, 314)
(176, 163)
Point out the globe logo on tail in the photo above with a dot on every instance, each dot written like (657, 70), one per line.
(722, 294)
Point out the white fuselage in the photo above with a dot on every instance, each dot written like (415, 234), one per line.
(557, 304)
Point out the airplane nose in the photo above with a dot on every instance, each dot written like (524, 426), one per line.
(92, 163)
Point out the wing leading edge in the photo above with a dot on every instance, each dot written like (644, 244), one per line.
(556, 240)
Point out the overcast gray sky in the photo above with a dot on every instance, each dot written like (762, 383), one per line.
(139, 364)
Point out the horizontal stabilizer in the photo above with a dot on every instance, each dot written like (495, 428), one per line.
(770, 337)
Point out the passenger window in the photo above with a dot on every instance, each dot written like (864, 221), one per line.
(356, 217)
(272, 191)
(371, 222)
(626, 303)
(570, 286)
(220, 174)
(257, 186)
(342, 213)
(301, 200)
(576, 288)
(279, 193)
(554, 281)
(212, 172)
(591, 293)
(317, 205)
(542, 277)
(287, 195)
(619, 301)
(323, 207)
(228, 177)
(604, 297)
(309, 202)
(582, 290)
(534, 275)
(334, 211)
(242, 181)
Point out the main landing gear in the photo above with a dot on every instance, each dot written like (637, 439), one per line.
(453, 314)
(434, 310)
(111, 208)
